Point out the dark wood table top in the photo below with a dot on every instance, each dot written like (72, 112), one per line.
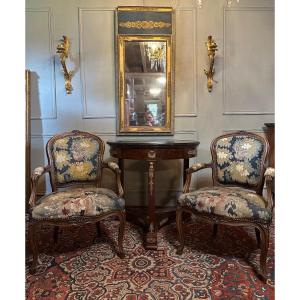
(153, 144)
(270, 124)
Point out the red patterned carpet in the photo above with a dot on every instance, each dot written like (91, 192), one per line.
(84, 266)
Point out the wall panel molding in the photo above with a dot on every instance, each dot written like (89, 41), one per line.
(85, 110)
(49, 135)
(189, 115)
(35, 74)
(248, 113)
(226, 82)
(194, 81)
(110, 134)
(187, 132)
(239, 129)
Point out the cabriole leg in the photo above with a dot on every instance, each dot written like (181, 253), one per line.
(180, 230)
(264, 246)
(122, 218)
(33, 245)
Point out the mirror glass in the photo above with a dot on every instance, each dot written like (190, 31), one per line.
(145, 83)
(145, 78)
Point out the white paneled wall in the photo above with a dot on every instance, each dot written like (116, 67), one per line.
(242, 97)
(245, 57)
(41, 61)
(97, 62)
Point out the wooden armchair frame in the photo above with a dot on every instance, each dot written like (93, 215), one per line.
(78, 220)
(261, 227)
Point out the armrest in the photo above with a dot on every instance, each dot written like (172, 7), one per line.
(194, 168)
(198, 166)
(115, 168)
(270, 180)
(37, 173)
(270, 172)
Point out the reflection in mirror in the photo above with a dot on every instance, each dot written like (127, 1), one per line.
(145, 83)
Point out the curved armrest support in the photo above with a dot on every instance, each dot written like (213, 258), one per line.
(37, 173)
(115, 168)
(270, 181)
(198, 166)
(192, 169)
(270, 172)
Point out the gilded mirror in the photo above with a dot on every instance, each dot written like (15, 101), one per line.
(144, 71)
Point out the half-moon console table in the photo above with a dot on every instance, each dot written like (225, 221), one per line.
(151, 152)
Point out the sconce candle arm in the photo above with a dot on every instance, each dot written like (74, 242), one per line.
(63, 51)
(211, 49)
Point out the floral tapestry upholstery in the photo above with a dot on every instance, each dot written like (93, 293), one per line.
(230, 202)
(77, 202)
(75, 158)
(239, 159)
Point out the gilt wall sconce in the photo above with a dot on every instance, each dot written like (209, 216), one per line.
(63, 51)
(211, 49)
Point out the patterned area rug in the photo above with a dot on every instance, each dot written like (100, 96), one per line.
(84, 266)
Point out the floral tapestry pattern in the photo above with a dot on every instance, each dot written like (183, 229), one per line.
(229, 202)
(75, 159)
(239, 159)
(77, 202)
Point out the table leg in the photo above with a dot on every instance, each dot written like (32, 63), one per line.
(151, 235)
(186, 164)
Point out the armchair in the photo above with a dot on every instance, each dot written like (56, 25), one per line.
(75, 160)
(239, 174)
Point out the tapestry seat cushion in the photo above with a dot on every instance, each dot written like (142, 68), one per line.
(77, 202)
(229, 202)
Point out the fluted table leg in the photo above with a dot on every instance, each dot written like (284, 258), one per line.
(151, 235)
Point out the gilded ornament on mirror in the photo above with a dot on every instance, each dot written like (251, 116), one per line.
(144, 24)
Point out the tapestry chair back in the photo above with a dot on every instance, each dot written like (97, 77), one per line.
(239, 159)
(75, 158)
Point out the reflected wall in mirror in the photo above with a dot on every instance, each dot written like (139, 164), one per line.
(145, 84)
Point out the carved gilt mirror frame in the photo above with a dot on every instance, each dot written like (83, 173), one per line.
(145, 70)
